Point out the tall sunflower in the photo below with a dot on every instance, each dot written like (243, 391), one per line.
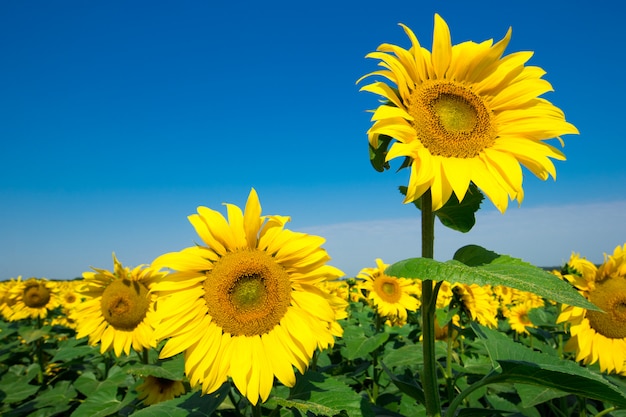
(245, 303)
(33, 298)
(118, 311)
(598, 336)
(464, 113)
(393, 297)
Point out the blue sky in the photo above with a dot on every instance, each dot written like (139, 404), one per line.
(118, 119)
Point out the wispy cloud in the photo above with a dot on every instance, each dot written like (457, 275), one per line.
(544, 236)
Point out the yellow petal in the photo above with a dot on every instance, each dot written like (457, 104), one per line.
(442, 47)
(252, 218)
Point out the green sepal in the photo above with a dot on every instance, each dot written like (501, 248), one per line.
(457, 215)
(378, 155)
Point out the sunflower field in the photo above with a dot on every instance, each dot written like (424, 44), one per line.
(255, 321)
(499, 351)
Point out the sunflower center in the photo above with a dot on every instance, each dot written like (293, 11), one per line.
(36, 296)
(124, 304)
(247, 293)
(163, 384)
(387, 289)
(451, 120)
(610, 296)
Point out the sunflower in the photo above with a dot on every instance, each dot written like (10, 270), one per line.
(392, 296)
(118, 311)
(154, 390)
(478, 302)
(70, 298)
(245, 303)
(517, 315)
(6, 299)
(464, 113)
(33, 298)
(599, 336)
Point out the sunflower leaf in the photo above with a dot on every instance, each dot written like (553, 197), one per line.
(378, 155)
(172, 369)
(322, 395)
(475, 265)
(193, 403)
(515, 362)
(358, 345)
(457, 215)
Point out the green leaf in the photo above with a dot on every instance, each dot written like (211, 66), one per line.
(324, 396)
(32, 334)
(358, 345)
(517, 363)
(475, 265)
(87, 383)
(459, 216)
(171, 369)
(15, 384)
(74, 349)
(193, 403)
(532, 395)
(16, 391)
(406, 384)
(407, 355)
(102, 402)
(51, 401)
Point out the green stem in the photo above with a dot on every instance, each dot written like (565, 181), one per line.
(605, 412)
(234, 401)
(39, 348)
(378, 322)
(429, 298)
(449, 380)
(486, 380)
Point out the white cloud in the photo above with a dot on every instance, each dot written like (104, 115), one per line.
(544, 236)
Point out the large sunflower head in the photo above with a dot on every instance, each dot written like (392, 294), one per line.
(33, 298)
(246, 303)
(392, 297)
(600, 336)
(464, 113)
(118, 310)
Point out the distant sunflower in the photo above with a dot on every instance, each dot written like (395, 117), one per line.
(69, 298)
(464, 113)
(33, 298)
(245, 303)
(6, 299)
(479, 303)
(517, 316)
(118, 311)
(392, 296)
(599, 336)
(154, 390)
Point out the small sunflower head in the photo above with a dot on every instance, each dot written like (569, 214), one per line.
(36, 294)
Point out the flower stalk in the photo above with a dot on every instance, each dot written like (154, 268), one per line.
(429, 298)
